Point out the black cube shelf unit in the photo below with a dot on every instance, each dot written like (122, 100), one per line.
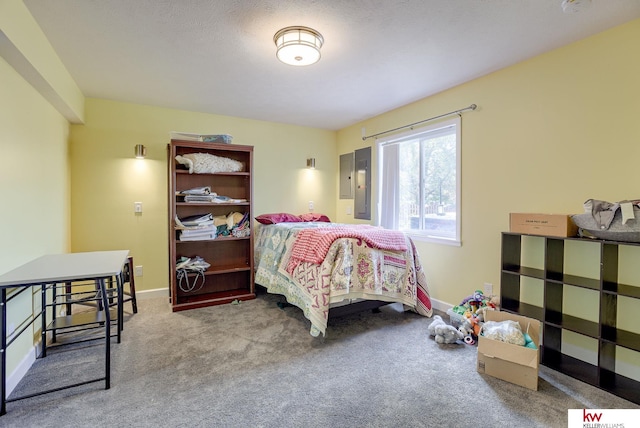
(554, 319)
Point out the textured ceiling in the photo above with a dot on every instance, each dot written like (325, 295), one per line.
(219, 56)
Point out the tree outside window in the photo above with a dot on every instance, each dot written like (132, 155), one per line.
(419, 175)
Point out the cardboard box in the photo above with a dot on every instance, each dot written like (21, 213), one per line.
(513, 363)
(543, 224)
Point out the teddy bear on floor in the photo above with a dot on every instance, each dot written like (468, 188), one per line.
(443, 332)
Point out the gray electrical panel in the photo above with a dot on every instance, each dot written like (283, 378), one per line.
(346, 176)
(362, 174)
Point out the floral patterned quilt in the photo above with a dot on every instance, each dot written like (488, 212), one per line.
(351, 269)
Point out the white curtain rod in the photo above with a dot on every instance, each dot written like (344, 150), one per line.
(471, 107)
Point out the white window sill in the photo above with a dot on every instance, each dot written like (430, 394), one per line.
(416, 236)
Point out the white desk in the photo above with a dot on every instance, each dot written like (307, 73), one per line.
(53, 269)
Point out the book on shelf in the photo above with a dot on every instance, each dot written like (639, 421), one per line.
(227, 200)
(204, 190)
(194, 220)
(198, 233)
(200, 198)
(207, 230)
(209, 199)
(204, 237)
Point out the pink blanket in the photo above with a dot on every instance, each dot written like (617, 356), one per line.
(312, 245)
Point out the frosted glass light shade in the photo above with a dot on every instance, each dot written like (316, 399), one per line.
(298, 45)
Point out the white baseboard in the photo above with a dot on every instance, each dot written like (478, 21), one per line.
(23, 367)
(439, 305)
(152, 294)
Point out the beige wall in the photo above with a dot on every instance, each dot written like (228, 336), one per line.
(106, 180)
(34, 187)
(548, 134)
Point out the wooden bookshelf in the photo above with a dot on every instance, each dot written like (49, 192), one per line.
(230, 276)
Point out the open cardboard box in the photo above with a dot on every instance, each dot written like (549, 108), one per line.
(513, 363)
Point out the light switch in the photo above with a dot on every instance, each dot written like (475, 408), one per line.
(137, 207)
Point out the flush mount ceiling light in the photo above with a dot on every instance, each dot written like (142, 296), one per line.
(298, 45)
(575, 6)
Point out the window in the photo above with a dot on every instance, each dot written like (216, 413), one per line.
(419, 189)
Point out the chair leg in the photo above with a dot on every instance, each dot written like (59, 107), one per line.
(67, 290)
(132, 286)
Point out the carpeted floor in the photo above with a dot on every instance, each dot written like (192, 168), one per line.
(255, 365)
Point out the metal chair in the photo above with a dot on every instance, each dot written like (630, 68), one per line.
(127, 295)
(87, 293)
(128, 277)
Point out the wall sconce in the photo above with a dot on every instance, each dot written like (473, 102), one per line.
(311, 163)
(141, 151)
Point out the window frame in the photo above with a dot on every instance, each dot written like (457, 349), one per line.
(425, 236)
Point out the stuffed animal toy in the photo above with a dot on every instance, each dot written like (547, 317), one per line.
(475, 303)
(443, 332)
(470, 329)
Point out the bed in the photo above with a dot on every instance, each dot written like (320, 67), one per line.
(318, 265)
